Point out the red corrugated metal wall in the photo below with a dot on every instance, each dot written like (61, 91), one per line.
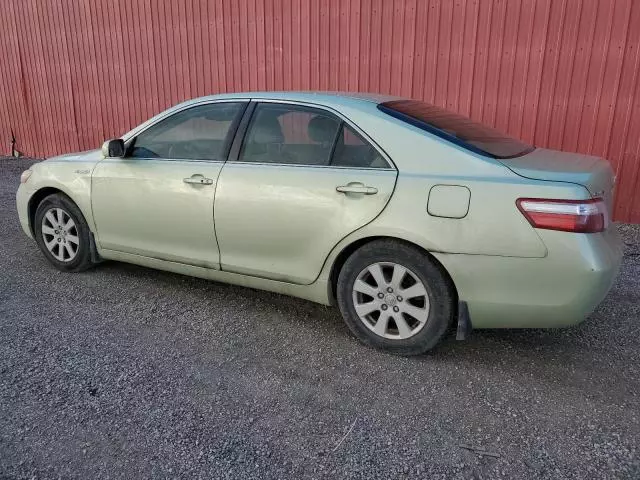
(558, 73)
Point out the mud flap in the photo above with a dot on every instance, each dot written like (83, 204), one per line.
(464, 322)
(95, 256)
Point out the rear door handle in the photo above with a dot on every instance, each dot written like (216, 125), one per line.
(197, 179)
(357, 187)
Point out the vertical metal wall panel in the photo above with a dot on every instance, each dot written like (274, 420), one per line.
(562, 74)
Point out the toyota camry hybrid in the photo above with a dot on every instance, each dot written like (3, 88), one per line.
(410, 218)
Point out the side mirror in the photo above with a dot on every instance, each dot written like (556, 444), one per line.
(113, 148)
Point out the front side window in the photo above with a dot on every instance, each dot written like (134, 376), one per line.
(198, 133)
(289, 134)
(456, 128)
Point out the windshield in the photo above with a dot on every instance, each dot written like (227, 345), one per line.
(456, 128)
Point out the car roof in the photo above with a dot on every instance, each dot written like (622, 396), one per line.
(305, 96)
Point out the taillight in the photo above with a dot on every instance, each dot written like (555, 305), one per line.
(580, 216)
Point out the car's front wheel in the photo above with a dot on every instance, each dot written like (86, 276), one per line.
(63, 234)
(395, 297)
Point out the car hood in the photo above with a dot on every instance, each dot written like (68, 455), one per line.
(86, 156)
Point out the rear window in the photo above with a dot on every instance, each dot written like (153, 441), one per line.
(456, 128)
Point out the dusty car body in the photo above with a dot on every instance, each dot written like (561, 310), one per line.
(518, 238)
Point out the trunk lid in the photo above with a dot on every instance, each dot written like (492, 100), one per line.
(594, 173)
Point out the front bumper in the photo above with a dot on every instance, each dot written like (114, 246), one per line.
(22, 203)
(559, 290)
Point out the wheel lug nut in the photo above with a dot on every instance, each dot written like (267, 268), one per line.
(399, 298)
(384, 307)
(58, 240)
(389, 289)
(396, 309)
(381, 295)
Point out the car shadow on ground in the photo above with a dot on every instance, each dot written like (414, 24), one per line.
(326, 321)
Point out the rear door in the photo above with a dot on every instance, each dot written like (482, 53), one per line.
(301, 180)
(158, 200)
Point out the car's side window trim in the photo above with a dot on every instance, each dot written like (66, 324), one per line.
(228, 141)
(244, 103)
(241, 133)
(335, 143)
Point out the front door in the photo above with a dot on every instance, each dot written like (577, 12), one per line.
(158, 200)
(302, 181)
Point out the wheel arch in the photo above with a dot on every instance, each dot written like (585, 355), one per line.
(349, 249)
(40, 195)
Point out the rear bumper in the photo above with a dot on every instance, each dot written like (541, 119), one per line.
(559, 290)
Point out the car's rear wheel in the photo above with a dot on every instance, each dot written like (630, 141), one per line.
(395, 297)
(62, 233)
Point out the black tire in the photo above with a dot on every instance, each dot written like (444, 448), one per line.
(82, 259)
(439, 289)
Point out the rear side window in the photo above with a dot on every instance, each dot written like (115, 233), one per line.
(354, 151)
(289, 134)
(456, 128)
(300, 135)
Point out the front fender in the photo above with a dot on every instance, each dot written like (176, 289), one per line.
(73, 180)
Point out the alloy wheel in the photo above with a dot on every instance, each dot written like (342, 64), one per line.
(60, 234)
(391, 300)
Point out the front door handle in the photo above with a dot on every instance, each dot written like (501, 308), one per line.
(357, 187)
(197, 179)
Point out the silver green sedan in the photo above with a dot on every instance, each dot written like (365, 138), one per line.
(410, 218)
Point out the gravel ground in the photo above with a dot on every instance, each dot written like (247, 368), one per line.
(125, 372)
